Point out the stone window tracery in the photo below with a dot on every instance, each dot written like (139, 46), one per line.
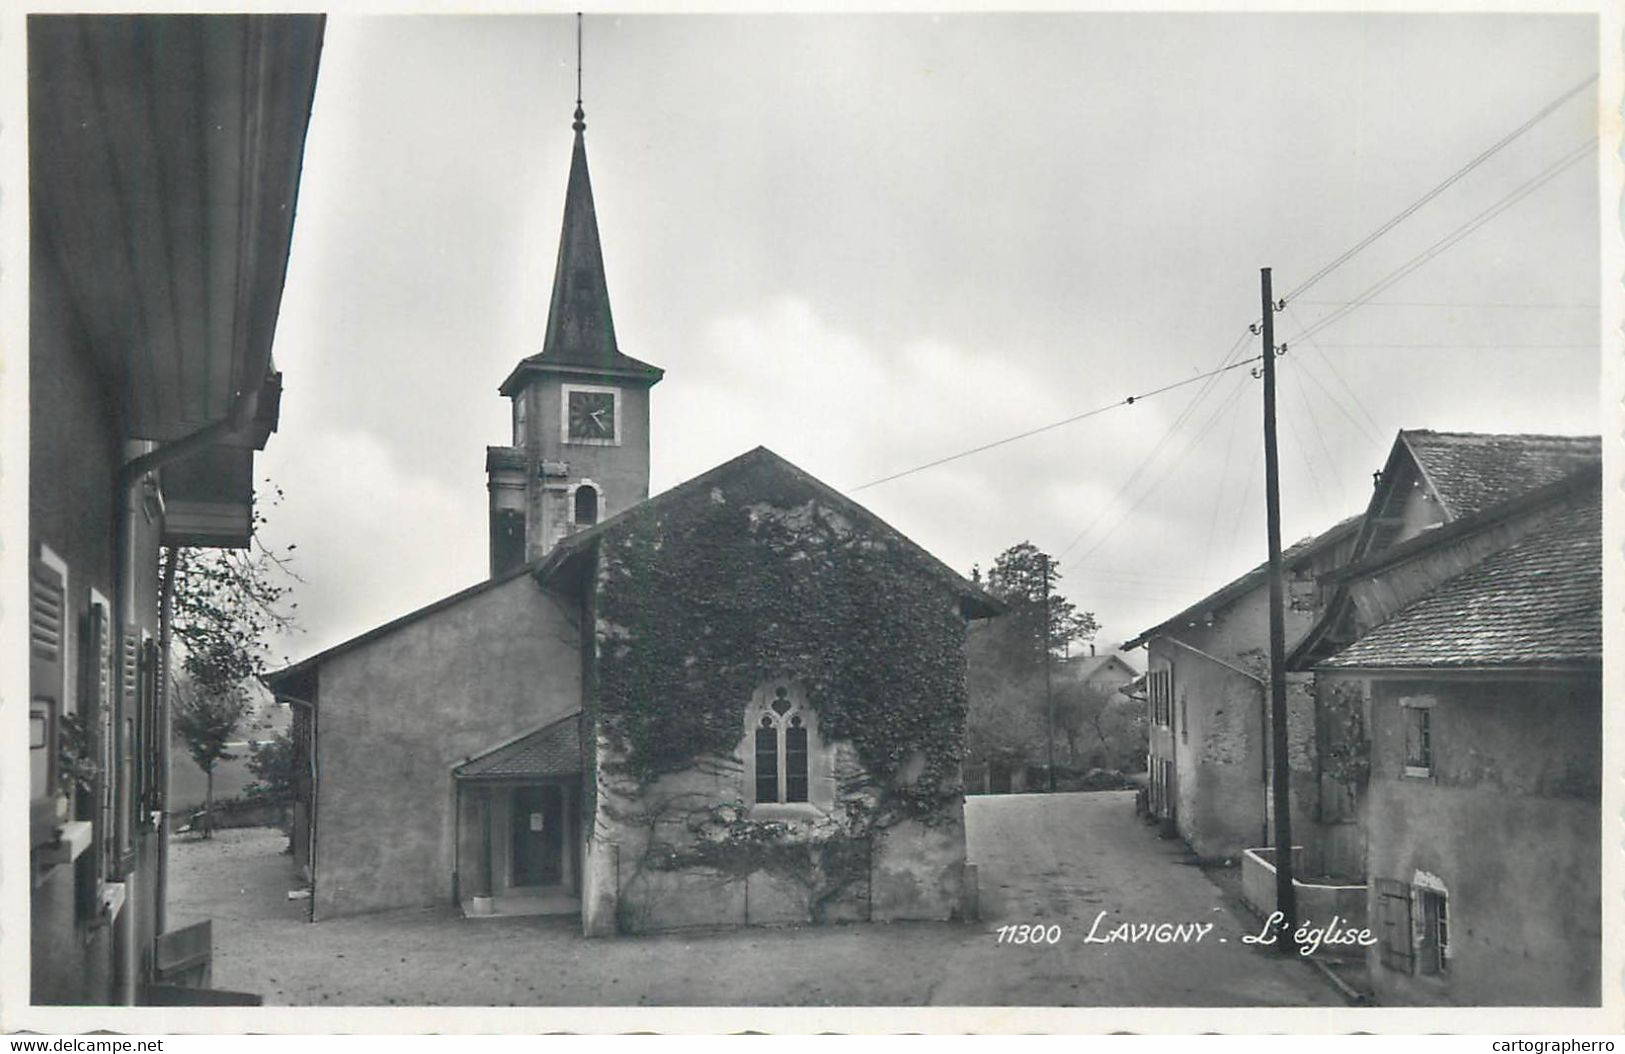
(782, 740)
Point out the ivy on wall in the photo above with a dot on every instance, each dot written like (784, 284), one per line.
(704, 600)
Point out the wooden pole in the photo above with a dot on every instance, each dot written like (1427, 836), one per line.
(1285, 897)
(1049, 695)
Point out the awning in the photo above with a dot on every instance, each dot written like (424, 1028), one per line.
(553, 750)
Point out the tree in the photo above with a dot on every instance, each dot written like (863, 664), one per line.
(226, 604)
(1103, 728)
(1018, 578)
(272, 764)
(206, 719)
(1005, 655)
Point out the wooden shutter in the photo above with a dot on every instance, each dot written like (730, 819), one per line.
(129, 704)
(47, 642)
(1394, 913)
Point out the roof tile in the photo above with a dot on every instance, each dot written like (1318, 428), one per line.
(1473, 471)
(1538, 602)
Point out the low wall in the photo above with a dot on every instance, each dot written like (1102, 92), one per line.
(1317, 903)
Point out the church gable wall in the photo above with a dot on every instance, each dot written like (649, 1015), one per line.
(747, 627)
(396, 713)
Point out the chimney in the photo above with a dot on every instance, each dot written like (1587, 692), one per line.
(505, 481)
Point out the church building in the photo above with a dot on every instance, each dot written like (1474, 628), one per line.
(739, 702)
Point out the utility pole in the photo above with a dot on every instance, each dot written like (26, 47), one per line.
(1285, 899)
(1049, 695)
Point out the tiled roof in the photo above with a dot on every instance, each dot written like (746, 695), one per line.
(1474, 471)
(1536, 603)
(551, 751)
(1303, 549)
(1083, 667)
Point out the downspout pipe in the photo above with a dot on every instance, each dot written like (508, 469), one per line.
(238, 417)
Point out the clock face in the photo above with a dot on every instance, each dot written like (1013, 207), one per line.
(592, 415)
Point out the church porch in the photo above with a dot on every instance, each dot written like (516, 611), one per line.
(518, 842)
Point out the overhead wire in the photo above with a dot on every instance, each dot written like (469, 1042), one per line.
(1167, 437)
(1127, 401)
(1517, 194)
(1540, 115)
(1228, 402)
(1338, 374)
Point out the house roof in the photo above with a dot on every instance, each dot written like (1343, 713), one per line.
(974, 601)
(580, 336)
(1537, 603)
(1086, 666)
(1471, 472)
(552, 750)
(1258, 576)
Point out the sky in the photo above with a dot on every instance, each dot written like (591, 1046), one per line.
(870, 242)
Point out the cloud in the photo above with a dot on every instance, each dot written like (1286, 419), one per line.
(375, 540)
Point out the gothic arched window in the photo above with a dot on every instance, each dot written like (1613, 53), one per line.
(781, 741)
(586, 505)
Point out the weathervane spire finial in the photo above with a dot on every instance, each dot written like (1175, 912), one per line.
(581, 117)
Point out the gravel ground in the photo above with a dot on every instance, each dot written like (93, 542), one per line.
(1053, 859)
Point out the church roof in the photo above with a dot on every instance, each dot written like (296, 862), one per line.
(580, 335)
(565, 564)
(753, 468)
(552, 750)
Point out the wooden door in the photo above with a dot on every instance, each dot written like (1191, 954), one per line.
(538, 835)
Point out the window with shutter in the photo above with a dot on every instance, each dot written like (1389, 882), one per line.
(1394, 915)
(47, 646)
(129, 703)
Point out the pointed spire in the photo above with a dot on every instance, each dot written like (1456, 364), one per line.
(580, 328)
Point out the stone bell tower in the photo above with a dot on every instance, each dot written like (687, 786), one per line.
(580, 450)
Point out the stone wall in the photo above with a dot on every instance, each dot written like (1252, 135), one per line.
(1508, 824)
(689, 851)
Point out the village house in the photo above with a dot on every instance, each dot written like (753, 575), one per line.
(738, 702)
(1206, 689)
(1465, 640)
(164, 157)
(1106, 673)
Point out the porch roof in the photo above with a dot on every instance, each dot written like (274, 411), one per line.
(552, 750)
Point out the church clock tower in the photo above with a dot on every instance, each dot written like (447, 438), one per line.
(580, 449)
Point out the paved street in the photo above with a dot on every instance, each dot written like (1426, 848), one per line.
(1052, 860)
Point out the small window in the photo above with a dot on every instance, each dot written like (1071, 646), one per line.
(1434, 908)
(1418, 719)
(586, 505)
(1160, 688)
(519, 433)
(1184, 721)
